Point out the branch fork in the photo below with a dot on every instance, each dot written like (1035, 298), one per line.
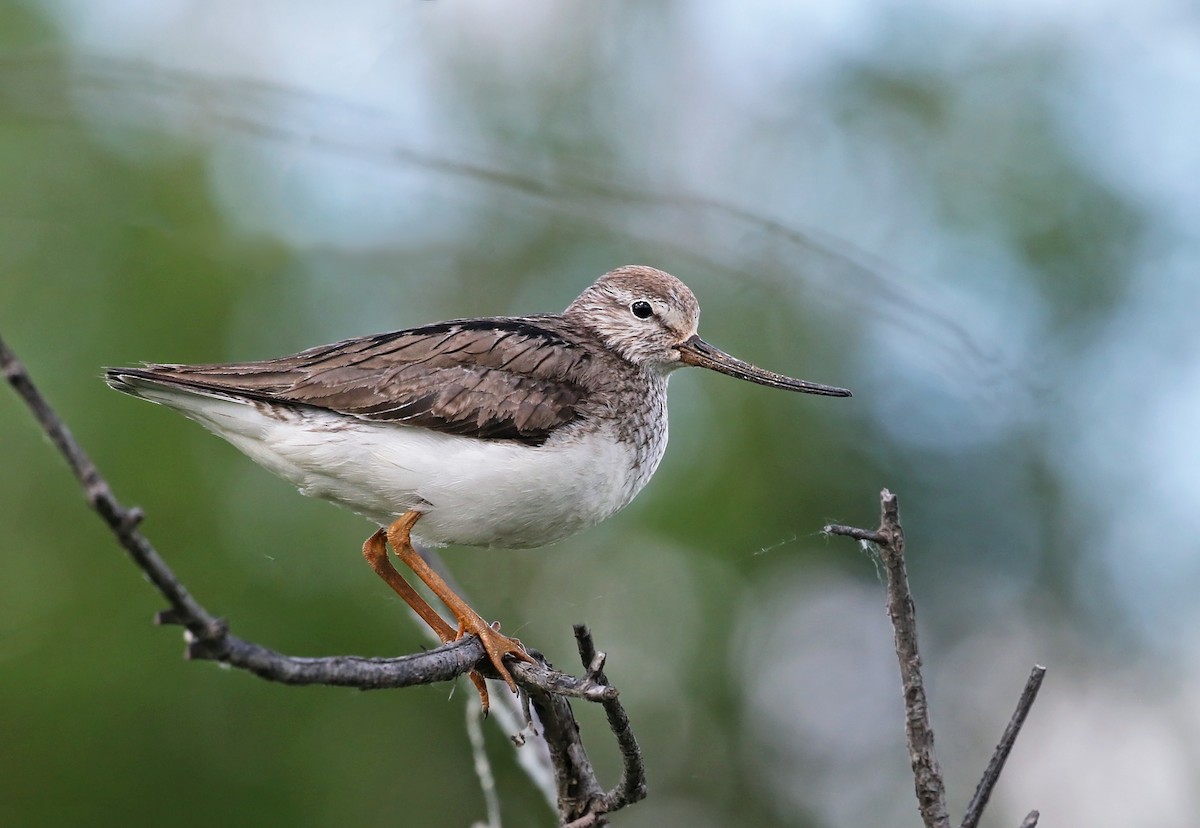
(927, 775)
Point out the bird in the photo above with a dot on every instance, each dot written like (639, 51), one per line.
(510, 432)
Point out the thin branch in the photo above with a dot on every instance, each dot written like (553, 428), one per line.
(991, 774)
(868, 535)
(208, 638)
(122, 521)
(586, 802)
(483, 768)
(632, 786)
(927, 776)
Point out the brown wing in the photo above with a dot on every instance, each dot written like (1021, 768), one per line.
(507, 379)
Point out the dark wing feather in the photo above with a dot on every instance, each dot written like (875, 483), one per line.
(504, 379)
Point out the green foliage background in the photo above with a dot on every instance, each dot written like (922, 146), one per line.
(922, 215)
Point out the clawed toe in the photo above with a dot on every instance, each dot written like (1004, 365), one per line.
(496, 645)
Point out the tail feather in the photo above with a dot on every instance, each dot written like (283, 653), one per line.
(154, 381)
(227, 413)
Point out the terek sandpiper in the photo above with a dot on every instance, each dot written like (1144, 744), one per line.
(506, 431)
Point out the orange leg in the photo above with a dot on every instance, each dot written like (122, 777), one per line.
(375, 551)
(496, 645)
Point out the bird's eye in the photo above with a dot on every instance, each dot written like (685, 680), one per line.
(641, 309)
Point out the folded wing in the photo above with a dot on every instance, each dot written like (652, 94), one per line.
(504, 379)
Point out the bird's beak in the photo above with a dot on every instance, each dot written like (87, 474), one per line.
(695, 351)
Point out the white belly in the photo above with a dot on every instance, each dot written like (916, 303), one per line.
(471, 492)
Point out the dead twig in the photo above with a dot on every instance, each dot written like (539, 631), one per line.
(991, 774)
(927, 775)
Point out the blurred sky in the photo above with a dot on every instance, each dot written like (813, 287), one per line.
(981, 217)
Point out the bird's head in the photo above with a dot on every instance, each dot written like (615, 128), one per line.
(650, 318)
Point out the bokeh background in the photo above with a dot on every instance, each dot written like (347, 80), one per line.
(984, 218)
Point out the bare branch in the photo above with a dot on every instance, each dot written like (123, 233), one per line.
(991, 774)
(582, 802)
(927, 776)
(851, 532)
(122, 521)
(208, 638)
(632, 786)
(483, 768)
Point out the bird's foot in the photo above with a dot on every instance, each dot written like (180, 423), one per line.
(496, 645)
